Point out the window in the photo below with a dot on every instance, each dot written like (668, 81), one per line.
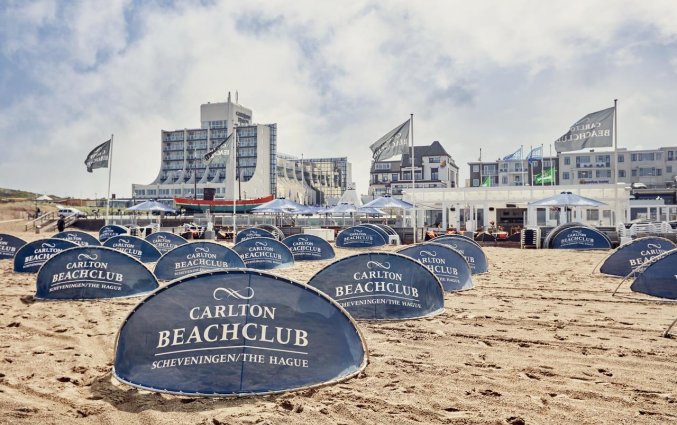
(491, 169)
(603, 173)
(504, 180)
(434, 159)
(634, 173)
(621, 173)
(475, 168)
(602, 161)
(671, 155)
(434, 174)
(633, 157)
(592, 215)
(583, 162)
(646, 156)
(382, 166)
(566, 175)
(475, 182)
(649, 171)
(394, 177)
(621, 158)
(567, 160)
(668, 169)
(587, 174)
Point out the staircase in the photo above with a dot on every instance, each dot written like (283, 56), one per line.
(48, 221)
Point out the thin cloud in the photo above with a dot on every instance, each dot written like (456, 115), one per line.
(335, 77)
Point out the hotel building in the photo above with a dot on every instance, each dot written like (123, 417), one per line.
(260, 170)
(655, 168)
(433, 168)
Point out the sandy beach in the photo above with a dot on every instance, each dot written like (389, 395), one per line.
(539, 340)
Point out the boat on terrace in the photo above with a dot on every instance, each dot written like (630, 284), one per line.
(220, 205)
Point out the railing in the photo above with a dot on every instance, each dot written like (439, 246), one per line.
(40, 221)
(68, 221)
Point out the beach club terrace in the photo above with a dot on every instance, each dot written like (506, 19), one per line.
(474, 208)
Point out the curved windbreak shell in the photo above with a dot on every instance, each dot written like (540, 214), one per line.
(165, 241)
(90, 272)
(378, 229)
(389, 230)
(359, 237)
(237, 332)
(449, 265)
(309, 247)
(30, 257)
(78, 237)
(556, 230)
(659, 278)
(381, 286)
(107, 232)
(626, 258)
(439, 239)
(9, 245)
(472, 252)
(264, 254)
(138, 248)
(276, 232)
(195, 257)
(252, 232)
(580, 238)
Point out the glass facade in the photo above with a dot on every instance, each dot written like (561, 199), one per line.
(327, 176)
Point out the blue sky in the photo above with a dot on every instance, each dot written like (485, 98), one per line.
(334, 76)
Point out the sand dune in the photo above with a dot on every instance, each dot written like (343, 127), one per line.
(539, 340)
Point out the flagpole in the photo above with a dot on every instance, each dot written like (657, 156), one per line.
(234, 155)
(481, 183)
(615, 171)
(413, 174)
(615, 141)
(529, 167)
(552, 167)
(521, 163)
(110, 169)
(542, 165)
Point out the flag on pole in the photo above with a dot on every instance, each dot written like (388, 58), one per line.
(517, 155)
(393, 143)
(545, 177)
(535, 154)
(221, 150)
(594, 130)
(98, 157)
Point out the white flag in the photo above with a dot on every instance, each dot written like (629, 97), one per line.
(221, 151)
(393, 143)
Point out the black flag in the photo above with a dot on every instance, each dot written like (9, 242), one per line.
(393, 143)
(98, 157)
